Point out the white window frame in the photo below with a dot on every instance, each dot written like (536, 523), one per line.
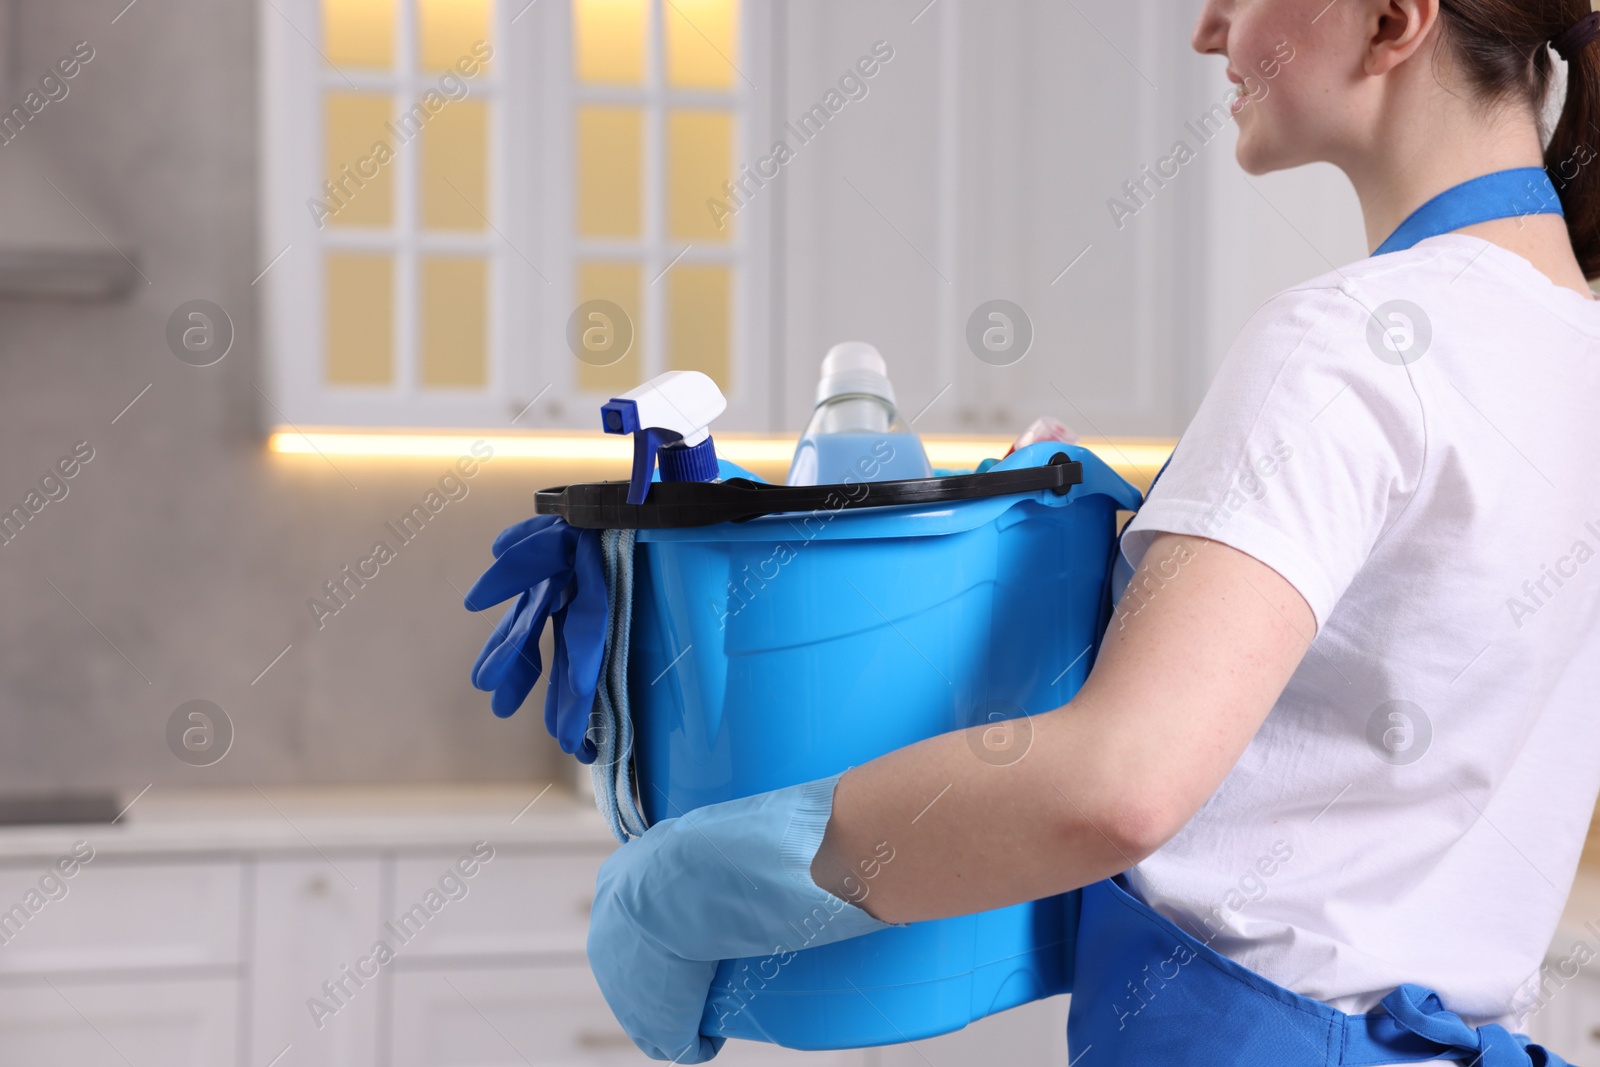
(530, 246)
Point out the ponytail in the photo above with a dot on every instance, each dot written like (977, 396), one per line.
(1506, 46)
(1573, 157)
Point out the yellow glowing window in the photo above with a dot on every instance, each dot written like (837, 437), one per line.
(455, 322)
(656, 127)
(455, 167)
(408, 255)
(358, 342)
(699, 317)
(453, 34)
(478, 173)
(623, 285)
(701, 43)
(610, 39)
(354, 147)
(359, 33)
(610, 170)
(699, 164)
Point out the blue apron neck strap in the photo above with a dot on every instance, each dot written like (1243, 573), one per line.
(1502, 195)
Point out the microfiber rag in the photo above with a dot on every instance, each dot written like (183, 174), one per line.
(611, 725)
(555, 572)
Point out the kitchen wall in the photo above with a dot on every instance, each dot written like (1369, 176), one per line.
(179, 565)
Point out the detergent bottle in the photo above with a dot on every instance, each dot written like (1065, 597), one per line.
(856, 435)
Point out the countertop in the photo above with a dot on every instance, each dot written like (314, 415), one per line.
(171, 821)
(168, 820)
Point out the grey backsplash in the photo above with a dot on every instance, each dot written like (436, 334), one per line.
(182, 545)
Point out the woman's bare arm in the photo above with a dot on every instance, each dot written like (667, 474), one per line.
(1190, 666)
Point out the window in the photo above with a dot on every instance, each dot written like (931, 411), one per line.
(447, 181)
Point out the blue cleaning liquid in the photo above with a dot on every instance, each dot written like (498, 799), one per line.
(836, 458)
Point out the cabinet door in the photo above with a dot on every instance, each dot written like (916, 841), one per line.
(539, 1016)
(311, 924)
(517, 903)
(113, 1024)
(1569, 1022)
(113, 914)
(1033, 1033)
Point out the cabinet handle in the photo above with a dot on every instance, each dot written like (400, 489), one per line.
(603, 1039)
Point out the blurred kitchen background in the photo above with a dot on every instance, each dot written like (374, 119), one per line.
(273, 340)
(185, 162)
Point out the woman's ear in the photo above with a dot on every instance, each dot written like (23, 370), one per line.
(1396, 30)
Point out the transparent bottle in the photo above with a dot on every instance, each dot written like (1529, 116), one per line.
(855, 434)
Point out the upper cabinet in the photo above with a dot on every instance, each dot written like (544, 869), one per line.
(497, 214)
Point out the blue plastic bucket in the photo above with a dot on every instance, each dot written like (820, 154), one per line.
(791, 647)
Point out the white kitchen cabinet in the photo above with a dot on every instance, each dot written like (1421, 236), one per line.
(549, 1016)
(117, 914)
(313, 918)
(200, 943)
(518, 903)
(227, 950)
(1569, 1024)
(183, 1023)
(505, 1016)
(1032, 1034)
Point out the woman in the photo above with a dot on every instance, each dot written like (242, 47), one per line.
(1329, 779)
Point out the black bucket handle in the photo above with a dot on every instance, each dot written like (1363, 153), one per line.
(684, 505)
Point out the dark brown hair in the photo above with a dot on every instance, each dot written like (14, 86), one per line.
(1504, 47)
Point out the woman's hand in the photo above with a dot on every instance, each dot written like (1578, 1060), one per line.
(725, 881)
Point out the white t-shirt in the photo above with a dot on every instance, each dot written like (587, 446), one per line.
(1413, 808)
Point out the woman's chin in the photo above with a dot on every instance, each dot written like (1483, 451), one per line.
(1257, 157)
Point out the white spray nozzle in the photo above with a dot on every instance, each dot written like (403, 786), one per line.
(684, 402)
(669, 416)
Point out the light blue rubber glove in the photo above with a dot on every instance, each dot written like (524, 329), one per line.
(724, 881)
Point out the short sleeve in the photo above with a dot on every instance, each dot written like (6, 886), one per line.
(1306, 448)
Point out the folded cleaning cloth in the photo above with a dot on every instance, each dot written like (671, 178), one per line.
(611, 726)
(556, 573)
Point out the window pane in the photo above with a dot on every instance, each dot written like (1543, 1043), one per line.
(699, 163)
(451, 32)
(623, 285)
(455, 167)
(358, 33)
(455, 321)
(356, 159)
(609, 41)
(610, 171)
(358, 319)
(701, 43)
(699, 318)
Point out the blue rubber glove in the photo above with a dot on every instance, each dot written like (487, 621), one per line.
(724, 881)
(556, 574)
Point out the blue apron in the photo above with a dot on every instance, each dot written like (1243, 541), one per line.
(1147, 994)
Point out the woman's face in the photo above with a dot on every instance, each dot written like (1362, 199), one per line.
(1293, 62)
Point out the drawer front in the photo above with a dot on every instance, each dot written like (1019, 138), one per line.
(1568, 1023)
(113, 1024)
(522, 1016)
(516, 903)
(111, 914)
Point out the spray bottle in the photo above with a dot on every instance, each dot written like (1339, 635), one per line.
(670, 418)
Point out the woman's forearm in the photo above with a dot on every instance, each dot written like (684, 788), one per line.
(956, 824)
(960, 824)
